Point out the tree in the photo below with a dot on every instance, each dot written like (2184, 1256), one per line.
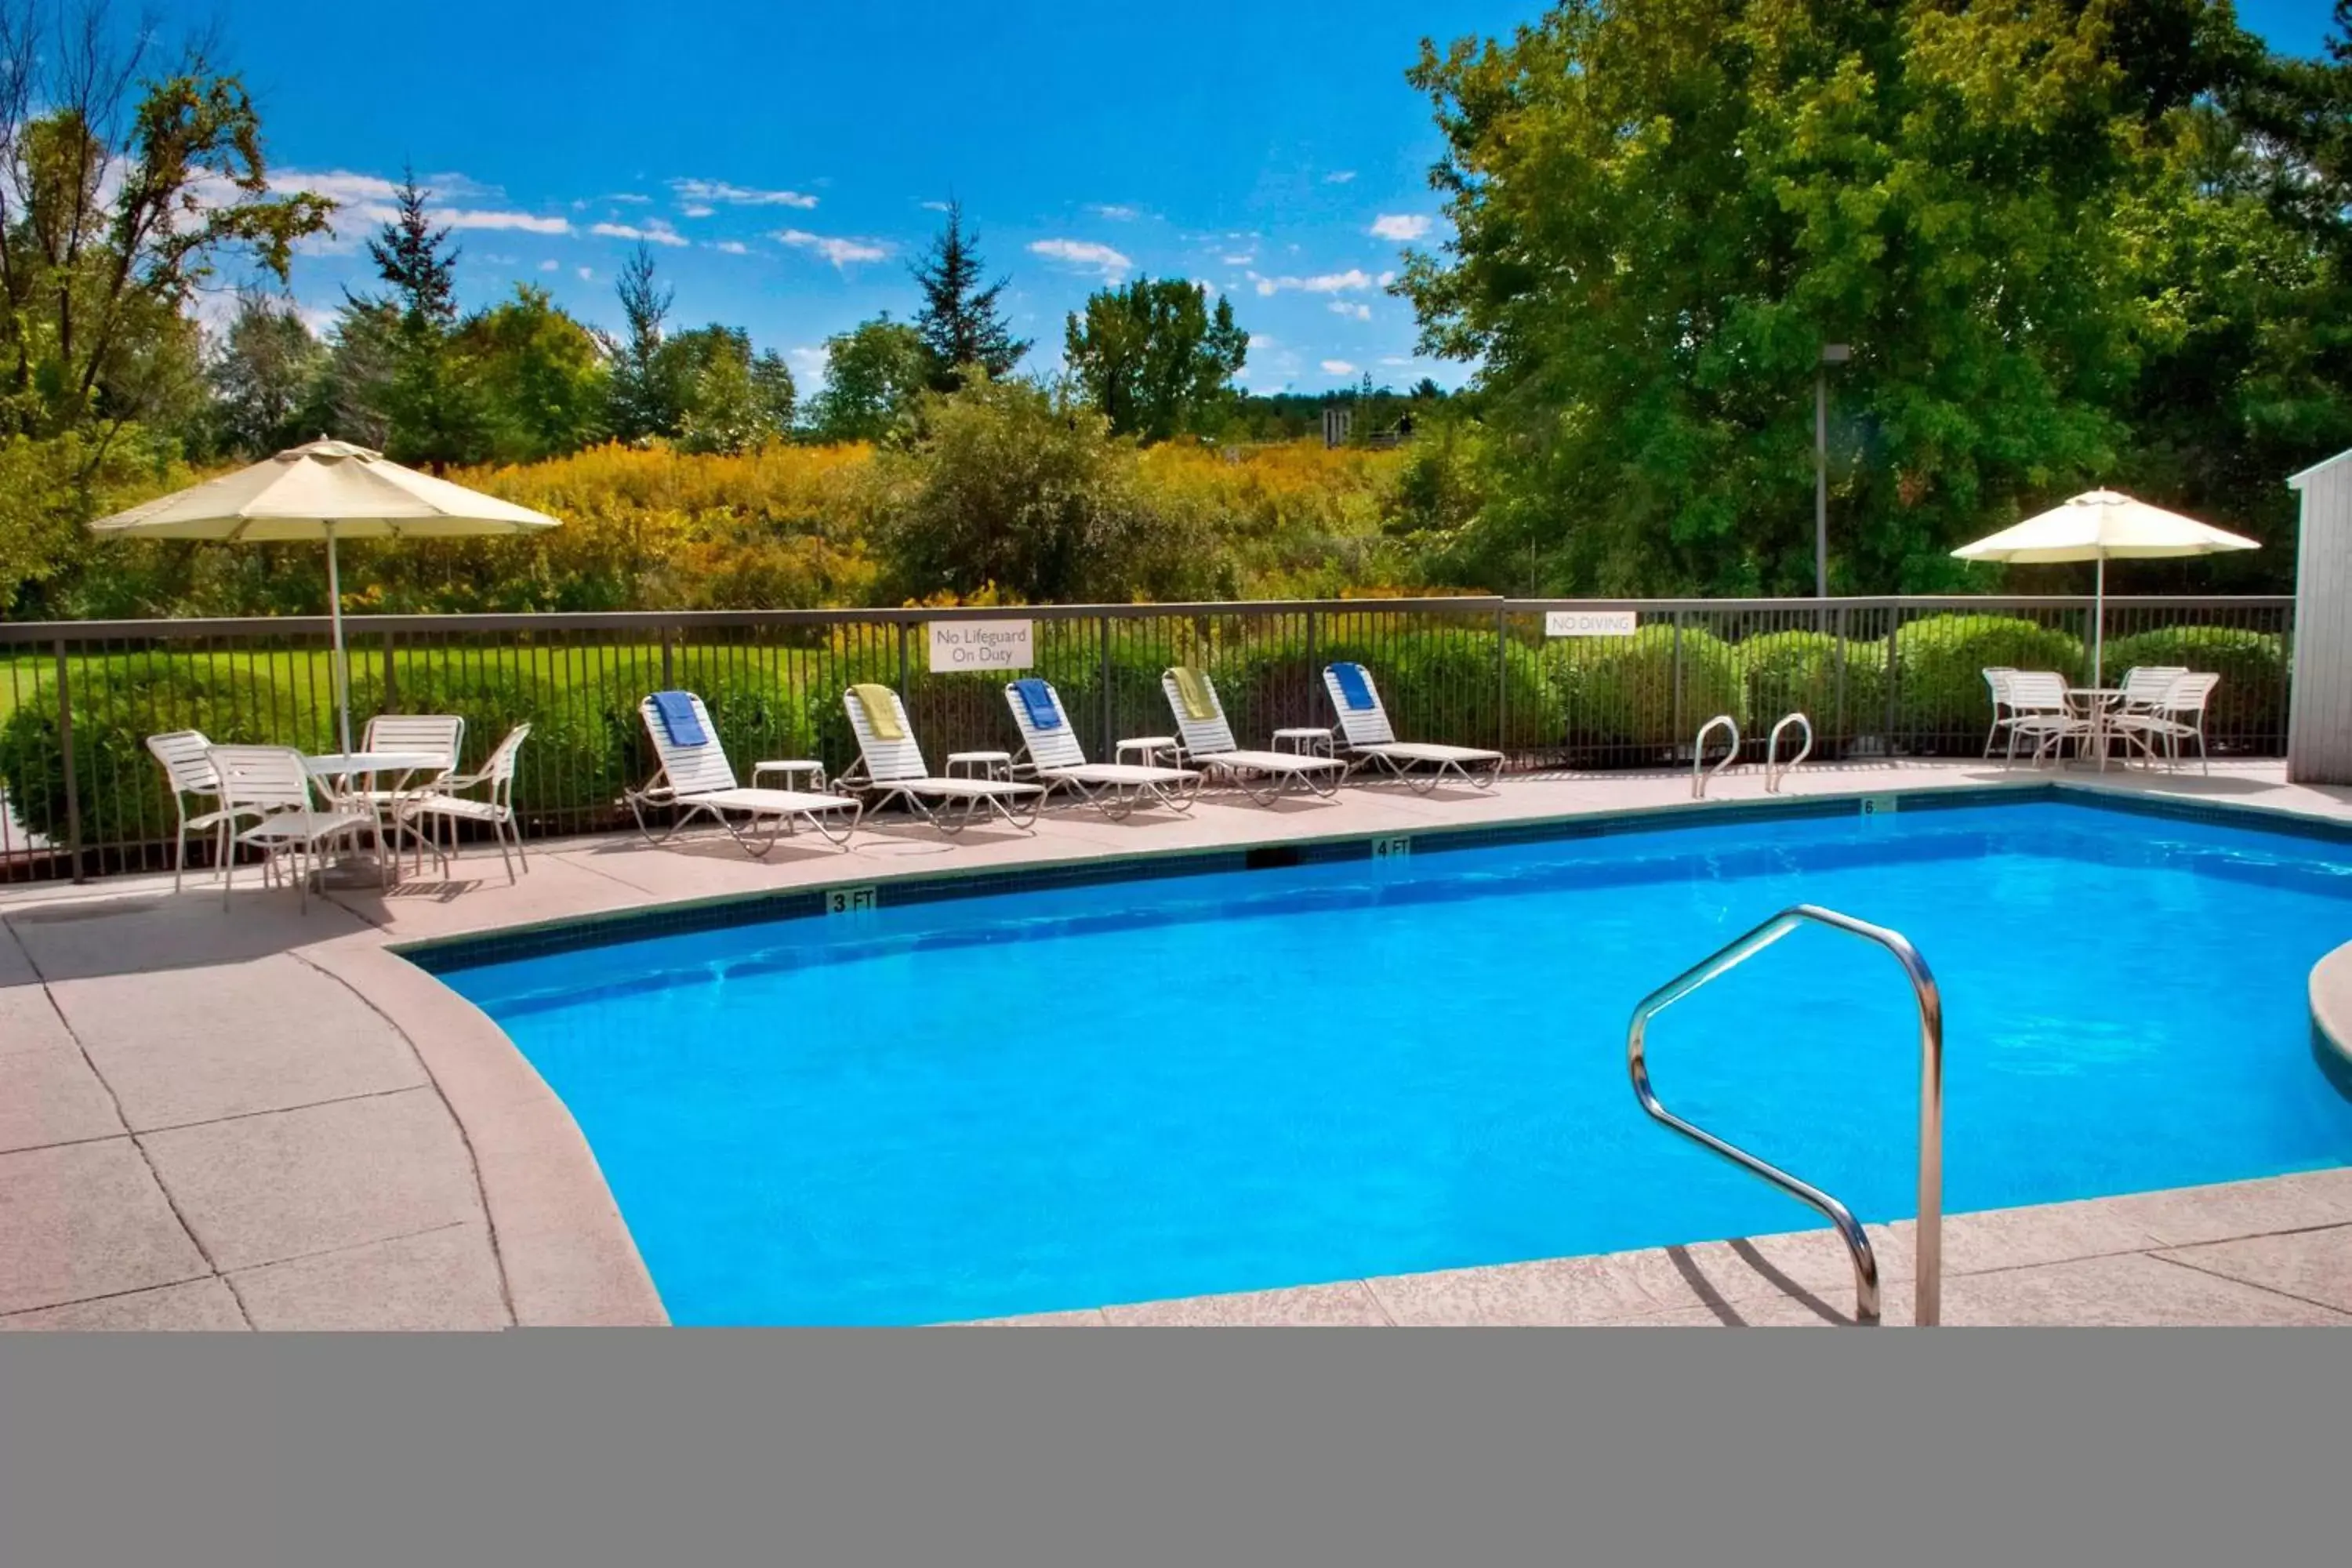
(541, 375)
(1016, 489)
(960, 322)
(732, 400)
(434, 408)
(642, 403)
(873, 374)
(264, 377)
(1665, 210)
(1153, 357)
(125, 181)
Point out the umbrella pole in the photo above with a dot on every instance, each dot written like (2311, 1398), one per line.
(342, 670)
(2099, 626)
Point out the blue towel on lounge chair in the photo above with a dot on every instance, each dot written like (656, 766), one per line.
(1038, 698)
(676, 711)
(1355, 686)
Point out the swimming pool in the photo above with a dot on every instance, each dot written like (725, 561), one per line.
(1133, 1090)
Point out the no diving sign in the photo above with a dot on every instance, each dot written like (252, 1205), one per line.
(981, 646)
(1589, 623)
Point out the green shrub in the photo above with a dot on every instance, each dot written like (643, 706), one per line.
(1619, 691)
(1940, 697)
(2250, 704)
(1800, 671)
(124, 794)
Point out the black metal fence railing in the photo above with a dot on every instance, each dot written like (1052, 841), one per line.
(1877, 676)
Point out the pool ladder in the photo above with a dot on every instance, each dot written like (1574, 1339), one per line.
(1928, 1286)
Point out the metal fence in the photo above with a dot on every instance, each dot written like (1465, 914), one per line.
(1877, 676)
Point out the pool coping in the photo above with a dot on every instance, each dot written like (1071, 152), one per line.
(561, 1233)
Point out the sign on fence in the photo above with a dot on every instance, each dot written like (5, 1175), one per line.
(1589, 623)
(982, 645)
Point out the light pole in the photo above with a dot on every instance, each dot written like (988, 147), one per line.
(1832, 353)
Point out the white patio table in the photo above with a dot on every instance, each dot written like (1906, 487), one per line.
(336, 772)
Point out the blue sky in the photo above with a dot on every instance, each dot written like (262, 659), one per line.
(785, 158)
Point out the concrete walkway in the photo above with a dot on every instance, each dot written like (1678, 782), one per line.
(264, 1119)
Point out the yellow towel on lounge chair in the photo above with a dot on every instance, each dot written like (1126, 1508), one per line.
(1193, 688)
(881, 710)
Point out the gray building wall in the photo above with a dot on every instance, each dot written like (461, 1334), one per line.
(2319, 724)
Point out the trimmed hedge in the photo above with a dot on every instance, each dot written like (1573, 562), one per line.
(1799, 672)
(1619, 691)
(2250, 705)
(1941, 701)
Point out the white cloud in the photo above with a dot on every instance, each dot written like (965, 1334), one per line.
(1116, 212)
(370, 198)
(633, 198)
(1353, 311)
(702, 191)
(1260, 342)
(1088, 254)
(1337, 367)
(841, 252)
(935, 207)
(1386, 278)
(1400, 226)
(695, 210)
(808, 366)
(656, 232)
(549, 265)
(731, 247)
(1322, 283)
(1394, 361)
(587, 275)
(1338, 176)
(465, 218)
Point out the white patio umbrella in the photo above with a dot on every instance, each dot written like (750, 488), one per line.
(331, 491)
(2098, 525)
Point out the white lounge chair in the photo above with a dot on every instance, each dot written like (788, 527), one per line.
(697, 777)
(1364, 723)
(1050, 745)
(2178, 715)
(1209, 743)
(892, 765)
(451, 804)
(273, 783)
(186, 756)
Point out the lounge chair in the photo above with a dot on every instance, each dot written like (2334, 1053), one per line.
(697, 776)
(495, 805)
(1364, 722)
(1209, 743)
(1051, 748)
(891, 764)
(273, 783)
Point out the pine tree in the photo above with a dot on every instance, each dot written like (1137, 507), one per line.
(644, 401)
(959, 321)
(408, 256)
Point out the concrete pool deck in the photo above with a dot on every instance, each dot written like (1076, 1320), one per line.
(267, 1120)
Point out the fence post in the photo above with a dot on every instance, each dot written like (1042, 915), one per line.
(1313, 666)
(1502, 679)
(668, 679)
(1893, 637)
(1103, 623)
(1837, 653)
(391, 681)
(1677, 726)
(66, 746)
(902, 662)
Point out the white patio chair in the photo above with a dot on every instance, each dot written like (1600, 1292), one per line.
(2178, 715)
(696, 775)
(1050, 745)
(2040, 713)
(1996, 678)
(186, 757)
(1364, 723)
(273, 783)
(440, 735)
(892, 767)
(1209, 743)
(452, 805)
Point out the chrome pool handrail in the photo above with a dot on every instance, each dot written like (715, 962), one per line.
(1775, 771)
(1698, 752)
(1928, 1286)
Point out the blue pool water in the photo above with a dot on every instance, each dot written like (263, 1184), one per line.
(1139, 1090)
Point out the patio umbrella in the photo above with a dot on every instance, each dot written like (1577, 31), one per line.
(2095, 526)
(331, 491)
